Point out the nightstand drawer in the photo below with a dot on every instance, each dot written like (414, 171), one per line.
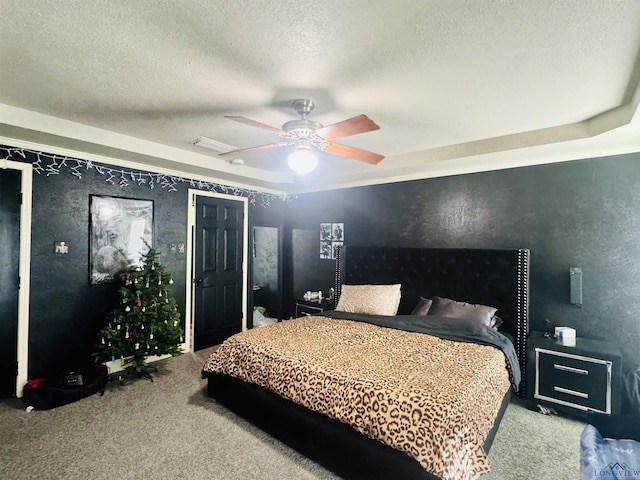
(302, 310)
(573, 380)
(313, 307)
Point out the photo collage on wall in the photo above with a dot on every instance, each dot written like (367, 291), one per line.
(331, 237)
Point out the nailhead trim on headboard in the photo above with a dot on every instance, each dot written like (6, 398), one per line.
(339, 278)
(523, 316)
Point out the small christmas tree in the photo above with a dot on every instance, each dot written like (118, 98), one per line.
(147, 322)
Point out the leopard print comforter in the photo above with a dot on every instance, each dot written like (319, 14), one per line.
(433, 399)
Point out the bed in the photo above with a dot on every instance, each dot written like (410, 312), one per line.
(610, 446)
(385, 415)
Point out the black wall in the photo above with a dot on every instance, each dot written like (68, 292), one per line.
(582, 213)
(65, 311)
(268, 217)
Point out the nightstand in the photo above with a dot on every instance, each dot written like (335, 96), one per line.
(576, 378)
(312, 307)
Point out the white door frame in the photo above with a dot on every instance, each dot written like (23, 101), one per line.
(190, 247)
(24, 269)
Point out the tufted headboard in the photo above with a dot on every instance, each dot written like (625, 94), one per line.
(498, 278)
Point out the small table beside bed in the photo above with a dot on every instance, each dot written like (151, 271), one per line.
(408, 378)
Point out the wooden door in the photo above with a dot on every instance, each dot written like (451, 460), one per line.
(218, 270)
(10, 199)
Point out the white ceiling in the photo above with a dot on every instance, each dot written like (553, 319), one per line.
(455, 85)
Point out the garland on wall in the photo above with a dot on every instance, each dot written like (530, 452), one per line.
(50, 164)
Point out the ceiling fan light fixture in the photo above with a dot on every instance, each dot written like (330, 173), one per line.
(303, 134)
(302, 160)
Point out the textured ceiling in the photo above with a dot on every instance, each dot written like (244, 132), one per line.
(455, 86)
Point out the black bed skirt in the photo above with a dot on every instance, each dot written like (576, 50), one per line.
(333, 444)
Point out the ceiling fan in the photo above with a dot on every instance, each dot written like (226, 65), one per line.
(306, 135)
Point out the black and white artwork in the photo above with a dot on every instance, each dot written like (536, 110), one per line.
(119, 228)
(325, 232)
(334, 249)
(337, 232)
(325, 249)
(331, 237)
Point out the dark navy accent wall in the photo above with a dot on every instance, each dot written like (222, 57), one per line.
(65, 311)
(583, 213)
(267, 217)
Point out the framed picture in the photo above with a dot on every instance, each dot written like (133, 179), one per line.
(337, 232)
(334, 249)
(118, 230)
(325, 249)
(325, 232)
(331, 237)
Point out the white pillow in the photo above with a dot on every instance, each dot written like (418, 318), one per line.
(370, 299)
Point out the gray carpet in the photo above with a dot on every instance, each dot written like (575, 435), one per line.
(170, 429)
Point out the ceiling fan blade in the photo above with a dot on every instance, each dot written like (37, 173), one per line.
(354, 153)
(253, 123)
(255, 149)
(346, 128)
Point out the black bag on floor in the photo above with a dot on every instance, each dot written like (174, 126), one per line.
(47, 393)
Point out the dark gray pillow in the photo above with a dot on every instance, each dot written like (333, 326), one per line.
(445, 307)
(496, 321)
(422, 308)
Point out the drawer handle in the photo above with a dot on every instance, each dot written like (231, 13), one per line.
(570, 392)
(570, 369)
